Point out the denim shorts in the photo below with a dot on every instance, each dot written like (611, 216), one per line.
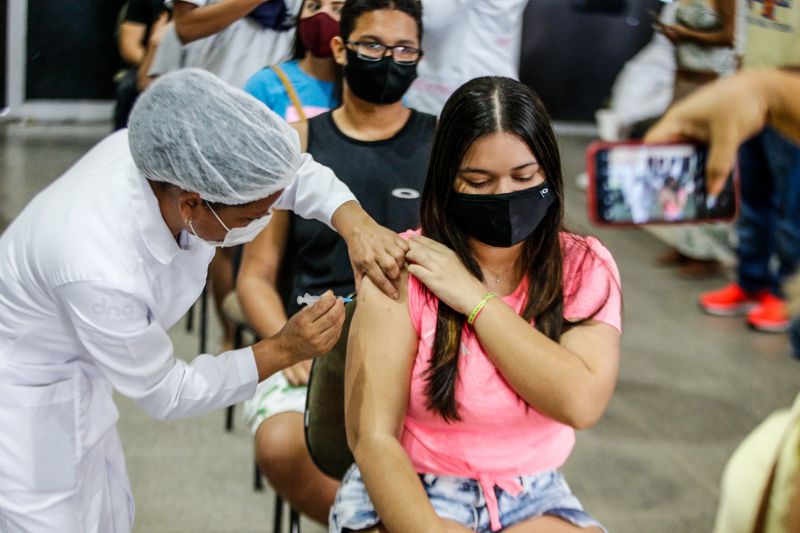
(461, 500)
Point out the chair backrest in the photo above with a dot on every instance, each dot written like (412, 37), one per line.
(326, 437)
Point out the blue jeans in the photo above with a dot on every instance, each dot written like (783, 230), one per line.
(769, 218)
(794, 336)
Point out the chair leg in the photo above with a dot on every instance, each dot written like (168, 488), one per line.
(258, 483)
(229, 418)
(190, 319)
(294, 521)
(238, 335)
(278, 514)
(203, 320)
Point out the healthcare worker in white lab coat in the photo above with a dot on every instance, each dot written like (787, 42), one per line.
(102, 262)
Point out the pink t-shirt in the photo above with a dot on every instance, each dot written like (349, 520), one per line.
(500, 437)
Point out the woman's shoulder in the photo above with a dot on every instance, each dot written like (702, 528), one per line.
(425, 121)
(291, 69)
(265, 75)
(264, 81)
(268, 79)
(422, 115)
(576, 247)
(592, 285)
(585, 258)
(375, 302)
(302, 81)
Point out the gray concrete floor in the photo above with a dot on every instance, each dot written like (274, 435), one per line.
(690, 388)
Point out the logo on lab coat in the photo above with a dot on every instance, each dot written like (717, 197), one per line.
(110, 310)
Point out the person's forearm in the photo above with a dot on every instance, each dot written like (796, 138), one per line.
(394, 487)
(551, 378)
(272, 355)
(783, 100)
(722, 37)
(262, 305)
(142, 77)
(316, 193)
(193, 22)
(131, 35)
(133, 55)
(143, 71)
(348, 219)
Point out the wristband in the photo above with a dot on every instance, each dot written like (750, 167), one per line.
(479, 307)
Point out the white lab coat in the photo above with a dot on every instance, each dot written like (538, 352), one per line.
(465, 39)
(90, 280)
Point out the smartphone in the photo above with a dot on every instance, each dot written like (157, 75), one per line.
(631, 183)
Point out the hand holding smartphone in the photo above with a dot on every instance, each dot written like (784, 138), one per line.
(631, 183)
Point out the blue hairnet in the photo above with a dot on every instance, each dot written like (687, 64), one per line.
(193, 130)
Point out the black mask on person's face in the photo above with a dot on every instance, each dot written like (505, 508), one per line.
(378, 82)
(501, 220)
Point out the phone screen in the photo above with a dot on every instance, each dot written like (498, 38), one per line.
(641, 184)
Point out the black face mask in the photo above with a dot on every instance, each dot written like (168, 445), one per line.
(378, 82)
(501, 220)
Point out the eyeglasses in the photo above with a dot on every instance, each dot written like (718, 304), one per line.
(372, 51)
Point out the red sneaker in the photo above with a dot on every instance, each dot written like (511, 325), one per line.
(731, 300)
(770, 315)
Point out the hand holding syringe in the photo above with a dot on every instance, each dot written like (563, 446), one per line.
(308, 299)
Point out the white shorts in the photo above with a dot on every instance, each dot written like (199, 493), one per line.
(273, 396)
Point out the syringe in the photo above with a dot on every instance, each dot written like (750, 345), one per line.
(308, 299)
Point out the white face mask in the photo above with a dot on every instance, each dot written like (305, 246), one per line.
(236, 236)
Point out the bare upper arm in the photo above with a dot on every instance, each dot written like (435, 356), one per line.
(727, 13)
(183, 20)
(263, 256)
(380, 354)
(597, 344)
(130, 41)
(180, 8)
(302, 130)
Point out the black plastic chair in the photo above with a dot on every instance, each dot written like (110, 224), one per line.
(238, 342)
(232, 310)
(326, 437)
(258, 482)
(294, 517)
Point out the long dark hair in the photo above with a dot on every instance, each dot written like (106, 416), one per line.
(481, 107)
(298, 50)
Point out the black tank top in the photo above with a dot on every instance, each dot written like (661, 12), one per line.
(386, 177)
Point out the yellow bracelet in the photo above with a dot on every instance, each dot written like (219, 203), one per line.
(479, 307)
